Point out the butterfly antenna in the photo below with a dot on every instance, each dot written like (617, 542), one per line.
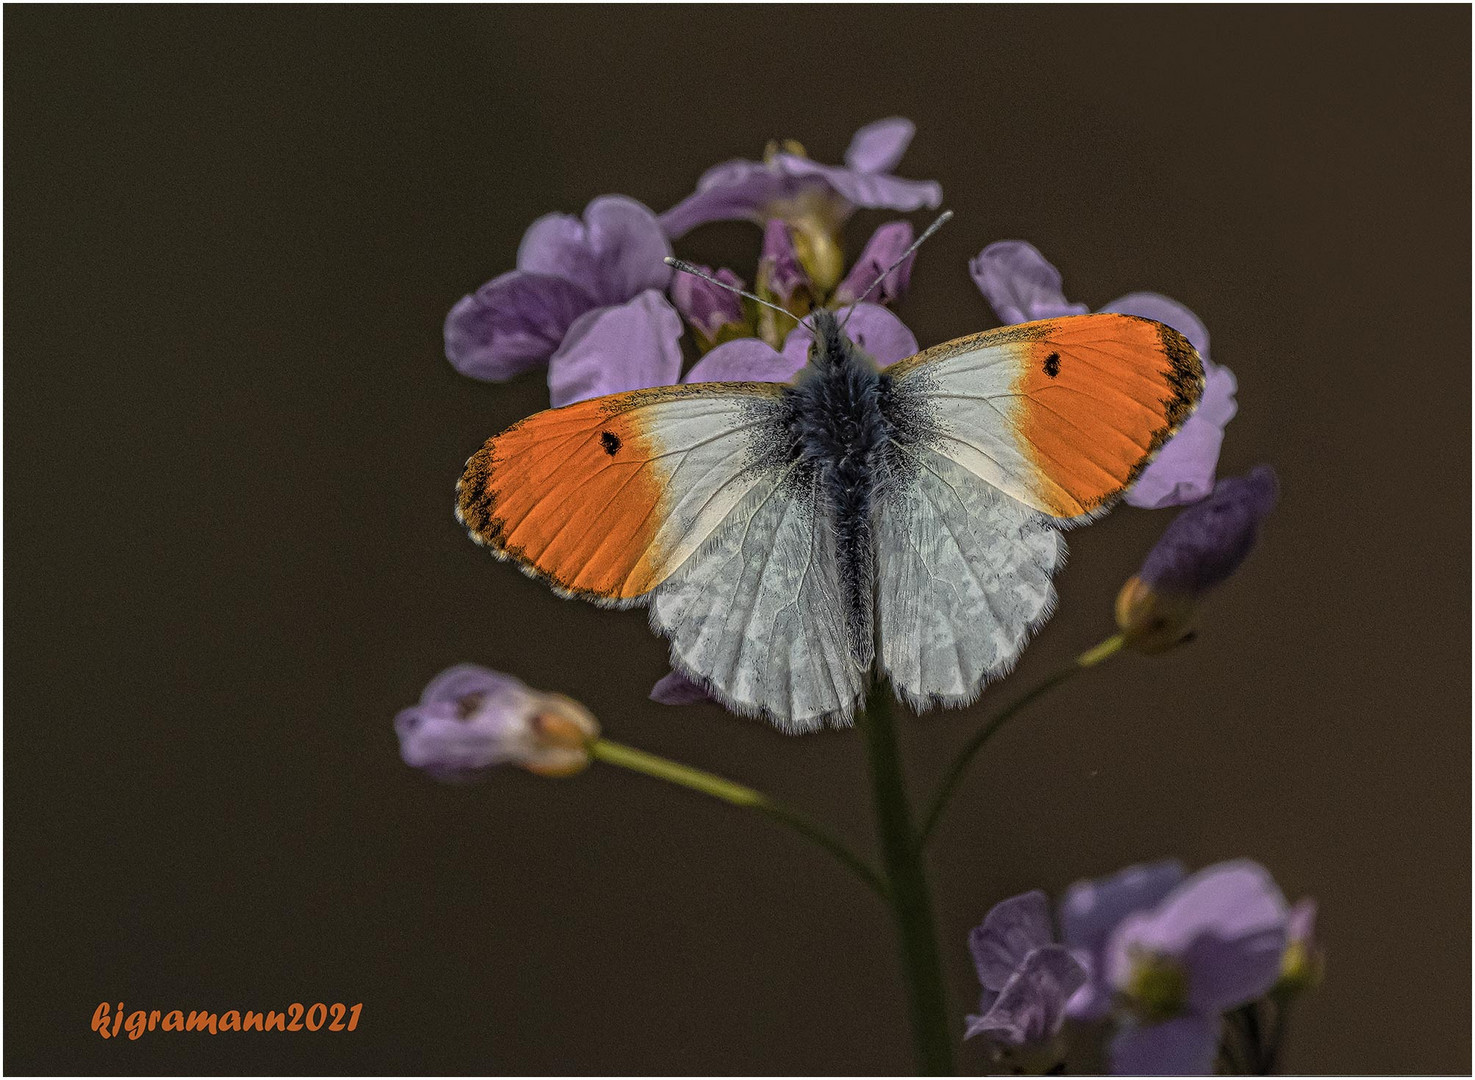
(687, 268)
(942, 219)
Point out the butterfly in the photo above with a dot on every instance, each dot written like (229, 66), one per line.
(789, 538)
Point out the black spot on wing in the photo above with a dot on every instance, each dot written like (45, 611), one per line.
(1052, 364)
(610, 441)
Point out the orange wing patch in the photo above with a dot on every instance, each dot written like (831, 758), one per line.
(573, 494)
(578, 495)
(1099, 395)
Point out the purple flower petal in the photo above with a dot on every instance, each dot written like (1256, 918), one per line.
(879, 146)
(1301, 924)
(708, 307)
(874, 328)
(675, 688)
(511, 324)
(1226, 926)
(1031, 1005)
(745, 360)
(1185, 1046)
(886, 245)
(1205, 543)
(1164, 309)
(1091, 910)
(874, 191)
(469, 719)
(1183, 471)
(1011, 930)
(779, 271)
(613, 349)
(1020, 284)
(789, 186)
(616, 252)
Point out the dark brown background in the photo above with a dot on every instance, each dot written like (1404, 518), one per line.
(231, 439)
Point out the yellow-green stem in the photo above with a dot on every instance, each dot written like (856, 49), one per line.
(627, 757)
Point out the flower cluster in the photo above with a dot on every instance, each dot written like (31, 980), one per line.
(1163, 955)
(592, 299)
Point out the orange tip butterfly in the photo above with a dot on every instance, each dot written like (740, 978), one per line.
(786, 537)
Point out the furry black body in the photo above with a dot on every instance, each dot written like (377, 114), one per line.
(840, 419)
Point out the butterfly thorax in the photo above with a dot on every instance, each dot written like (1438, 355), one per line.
(840, 436)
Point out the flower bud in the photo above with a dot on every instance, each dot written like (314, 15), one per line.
(1202, 547)
(886, 245)
(470, 719)
(818, 249)
(782, 281)
(1303, 962)
(1153, 621)
(714, 313)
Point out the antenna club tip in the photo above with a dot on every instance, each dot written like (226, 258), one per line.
(670, 261)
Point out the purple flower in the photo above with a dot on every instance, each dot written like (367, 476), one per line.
(714, 313)
(886, 245)
(789, 186)
(471, 718)
(566, 269)
(1026, 977)
(780, 276)
(614, 349)
(1202, 547)
(1022, 287)
(1213, 944)
(1091, 910)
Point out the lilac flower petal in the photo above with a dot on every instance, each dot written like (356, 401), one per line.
(1020, 284)
(616, 252)
(874, 328)
(614, 349)
(1205, 544)
(732, 191)
(675, 688)
(1183, 471)
(745, 360)
(875, 191)
(886, 245)
(1301, 924)
(1185, 1046)
(1226, 926)
(1031, 1004)
(1164, 309)
(455, 683)
(879, 146)
(706, 306)
(469, 718)
(511, 324)
(779, 270)
(1011, 930)
(1091, 910)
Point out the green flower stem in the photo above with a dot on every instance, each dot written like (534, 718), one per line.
(907, 879)
(1090, 658)
(627, 757)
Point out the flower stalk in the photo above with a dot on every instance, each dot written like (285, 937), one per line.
(673, 772)
(906, 879)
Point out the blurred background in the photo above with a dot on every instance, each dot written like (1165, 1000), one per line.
(232, 438)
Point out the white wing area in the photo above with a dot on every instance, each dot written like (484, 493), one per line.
(964, 579)
(757, 614)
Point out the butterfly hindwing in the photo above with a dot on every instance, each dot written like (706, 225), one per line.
(964, 578)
